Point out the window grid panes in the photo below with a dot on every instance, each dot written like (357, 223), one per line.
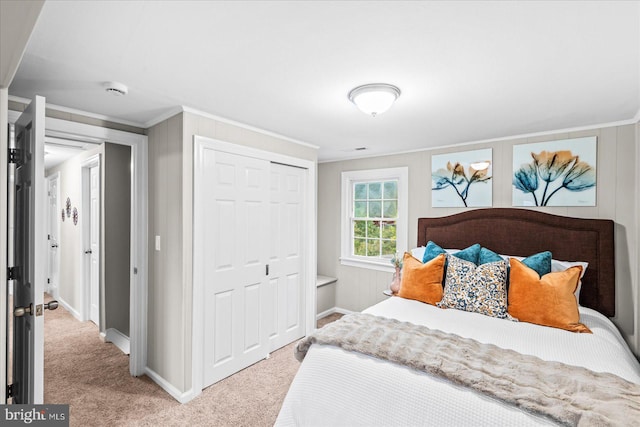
(374, 218)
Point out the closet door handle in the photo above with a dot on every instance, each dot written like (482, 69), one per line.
(88, 251)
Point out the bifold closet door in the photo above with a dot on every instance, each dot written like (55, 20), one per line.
(286, 279)
(235, 202)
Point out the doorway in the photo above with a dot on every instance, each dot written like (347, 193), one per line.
(53, 233)
(136, 274)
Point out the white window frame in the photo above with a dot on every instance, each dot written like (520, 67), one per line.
(349, 178)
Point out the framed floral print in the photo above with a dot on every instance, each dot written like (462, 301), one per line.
(555, 173)
(462, 179)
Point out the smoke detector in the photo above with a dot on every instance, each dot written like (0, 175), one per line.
(115, 88)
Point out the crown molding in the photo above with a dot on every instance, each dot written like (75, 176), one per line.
(164, 116)
(247, 127)
(632, 121)
(80, 112)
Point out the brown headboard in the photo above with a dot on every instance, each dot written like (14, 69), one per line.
(524, 232)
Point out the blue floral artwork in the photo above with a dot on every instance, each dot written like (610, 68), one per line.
(462, 179)
(555, 173)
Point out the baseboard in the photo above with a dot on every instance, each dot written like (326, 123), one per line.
(331, 311)
(182, 397)
(70, 309)
(118, 339)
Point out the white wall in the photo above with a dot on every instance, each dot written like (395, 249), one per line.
(617, 194)
(170, 217)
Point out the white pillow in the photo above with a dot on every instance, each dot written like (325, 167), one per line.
(563, 265)
(418, 253)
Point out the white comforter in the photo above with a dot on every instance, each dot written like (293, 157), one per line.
(338, 388)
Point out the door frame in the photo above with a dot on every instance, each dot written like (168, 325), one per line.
(55, 214)
(310, 258)
(138, 275)
(4, 185)
(139, 202)
(86, 166)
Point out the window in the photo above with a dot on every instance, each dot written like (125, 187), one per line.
(374, 217)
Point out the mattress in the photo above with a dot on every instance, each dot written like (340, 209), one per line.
(339, 388)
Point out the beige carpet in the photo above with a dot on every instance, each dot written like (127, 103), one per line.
(93, 378)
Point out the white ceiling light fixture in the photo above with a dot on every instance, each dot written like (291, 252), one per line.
(116, 89)
(375, 98)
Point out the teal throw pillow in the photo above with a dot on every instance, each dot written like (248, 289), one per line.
(540, 262)
(431, 251)
(487, 255)
(470, 254)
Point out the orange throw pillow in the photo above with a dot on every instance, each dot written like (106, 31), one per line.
(546, 300)
(422, 282)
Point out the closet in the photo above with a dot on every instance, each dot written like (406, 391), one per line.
(248, 256)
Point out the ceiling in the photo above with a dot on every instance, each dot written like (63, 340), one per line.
(468, 71)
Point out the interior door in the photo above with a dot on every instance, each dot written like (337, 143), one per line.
(53, 231)
(286, 290)
(29, 269)
(235, 205)
(94, 244)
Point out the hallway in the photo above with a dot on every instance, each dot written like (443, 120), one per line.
(93, 376)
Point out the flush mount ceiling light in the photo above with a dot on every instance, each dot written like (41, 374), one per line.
(375, 98)
(115, 88)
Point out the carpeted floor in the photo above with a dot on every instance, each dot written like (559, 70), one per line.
(93, 377)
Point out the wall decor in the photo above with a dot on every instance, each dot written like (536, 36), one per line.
(63, 215)
(462, 179)
(68, 206)
(75, 216)
(555, 173)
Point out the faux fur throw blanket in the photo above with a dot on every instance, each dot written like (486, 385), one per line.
(569, 395)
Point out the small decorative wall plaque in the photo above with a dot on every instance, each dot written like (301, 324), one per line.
(75, 216)
(68, 206)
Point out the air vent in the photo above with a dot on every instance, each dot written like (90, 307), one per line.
(115, 88)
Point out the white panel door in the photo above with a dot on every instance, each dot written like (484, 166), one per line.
(286, 277)
(54, 221)
(233, 202)
(30, 257)
(94, 244)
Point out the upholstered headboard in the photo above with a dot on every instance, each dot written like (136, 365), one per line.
(525, 232)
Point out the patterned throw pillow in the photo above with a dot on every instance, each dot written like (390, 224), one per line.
(481, 289)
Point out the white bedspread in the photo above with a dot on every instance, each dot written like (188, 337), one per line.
(338, 388)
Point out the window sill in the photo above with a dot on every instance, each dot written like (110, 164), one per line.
(371, 265)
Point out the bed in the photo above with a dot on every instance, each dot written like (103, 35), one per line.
(338, 387)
